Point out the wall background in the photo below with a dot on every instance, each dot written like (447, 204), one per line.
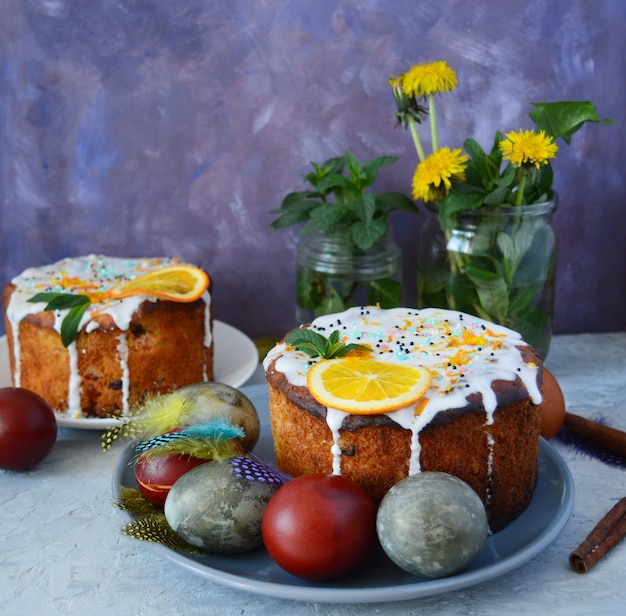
(142, 127)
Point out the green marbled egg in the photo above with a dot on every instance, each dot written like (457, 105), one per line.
(432, 524)
(218, 506)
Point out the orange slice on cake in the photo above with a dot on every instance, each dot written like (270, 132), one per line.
(367, 386)
(179, 283)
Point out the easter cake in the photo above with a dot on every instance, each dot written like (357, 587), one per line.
(103, 345)
(478, 418)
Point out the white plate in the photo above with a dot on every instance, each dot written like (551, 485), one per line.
(236, 359)
(380, 580)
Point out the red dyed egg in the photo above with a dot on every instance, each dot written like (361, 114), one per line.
(320, 527)
(28, 429)
(156, 474)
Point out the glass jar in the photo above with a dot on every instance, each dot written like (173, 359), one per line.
(496, 263)
(333, 274)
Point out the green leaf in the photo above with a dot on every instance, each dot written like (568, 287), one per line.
(308, 341)
(74, 304)
(71, 323)
(480, 164)
(330, 302)
(355, 170)
(495, 156)
(364, 235)
(366, 207)
(371, 168)
(388, 201)
(464, 197)
(310, 289)
(563, 119)
(331, 166)
(296, 211)
(325, 218)
(334, 182)
(387, 293)
(59, 301)
(314, 344)
(497, 196)
(492, 292)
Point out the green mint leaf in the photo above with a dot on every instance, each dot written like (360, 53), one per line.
(365, 235)
(345, 349)
(325, 218)
(59, 301)
(76, 306)
(334, 337)
(308, 341)
(390, 200)
(71, 322)
(314, 344)
(371, 168)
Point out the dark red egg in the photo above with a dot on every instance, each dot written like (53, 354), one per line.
(156, 474)
(28, 429)
(320, 527)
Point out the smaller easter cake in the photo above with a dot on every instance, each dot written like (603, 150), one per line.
(93, 335)
(377, 395)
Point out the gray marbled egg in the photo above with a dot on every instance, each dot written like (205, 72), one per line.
(218, 506)
(432, 524)
(211, 400)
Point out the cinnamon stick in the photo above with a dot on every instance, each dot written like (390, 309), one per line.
(609, 531)
(610, 439)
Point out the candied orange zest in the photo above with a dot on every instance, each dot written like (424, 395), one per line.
(420, 406)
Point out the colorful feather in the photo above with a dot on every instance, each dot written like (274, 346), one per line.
(157, 414)
(218, 430)
(251, 468)
(216, 440)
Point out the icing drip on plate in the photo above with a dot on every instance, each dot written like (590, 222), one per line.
(465, 355)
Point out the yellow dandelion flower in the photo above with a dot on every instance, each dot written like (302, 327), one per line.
(528, 147)
(425, 79)
(434, 175)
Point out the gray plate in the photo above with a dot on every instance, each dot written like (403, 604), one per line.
(380, 580)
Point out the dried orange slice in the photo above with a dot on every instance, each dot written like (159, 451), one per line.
(180, 283)
(366, 386)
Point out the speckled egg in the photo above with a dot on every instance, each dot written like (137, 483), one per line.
(432, 524)
(219, 506)
(210, 400)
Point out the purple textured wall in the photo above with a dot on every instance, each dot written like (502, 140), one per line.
(138, 128)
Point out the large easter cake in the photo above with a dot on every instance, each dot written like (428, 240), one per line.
(479, 418)
(121, 348)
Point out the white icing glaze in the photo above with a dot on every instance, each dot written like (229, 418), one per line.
(465, 355)
(208, 332)
(86, 275)
(122, 351)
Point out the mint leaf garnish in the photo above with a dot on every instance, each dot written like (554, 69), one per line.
(314, 344)
(76, 306)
